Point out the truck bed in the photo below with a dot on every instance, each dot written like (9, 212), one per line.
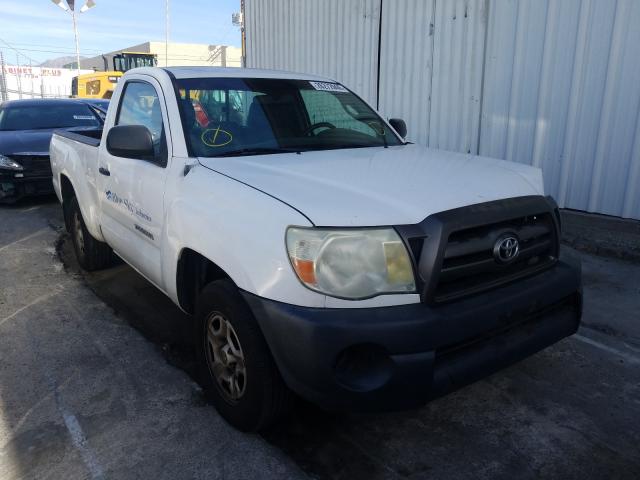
(74, 155)
(87, 136)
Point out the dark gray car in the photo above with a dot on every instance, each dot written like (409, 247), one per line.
(26, 127)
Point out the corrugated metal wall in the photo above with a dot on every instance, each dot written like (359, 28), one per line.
(335, 38)
(562, 92)
(551, 83)
(459, 35)
(406, 59)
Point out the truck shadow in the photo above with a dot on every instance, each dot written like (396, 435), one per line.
(142, 305)
(310, 436)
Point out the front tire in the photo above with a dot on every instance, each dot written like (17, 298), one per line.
(92, 254)
(237, 370)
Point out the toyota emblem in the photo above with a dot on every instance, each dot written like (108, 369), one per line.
(506, 249)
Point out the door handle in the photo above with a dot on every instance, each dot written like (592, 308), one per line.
(104, 171)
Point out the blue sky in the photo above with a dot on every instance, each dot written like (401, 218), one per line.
(40, 30)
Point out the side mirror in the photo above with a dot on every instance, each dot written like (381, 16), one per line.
(131, 141)
(399, 126)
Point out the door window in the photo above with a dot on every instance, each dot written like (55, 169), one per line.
(140, 105)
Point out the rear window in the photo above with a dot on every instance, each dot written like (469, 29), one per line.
(37, 117)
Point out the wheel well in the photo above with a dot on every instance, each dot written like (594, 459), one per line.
(193, 273)
(66, 188)
(67, 192)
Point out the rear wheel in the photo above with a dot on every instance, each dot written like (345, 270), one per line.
(237, 370)
(92, 254)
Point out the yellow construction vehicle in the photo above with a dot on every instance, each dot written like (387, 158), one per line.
(101, 84)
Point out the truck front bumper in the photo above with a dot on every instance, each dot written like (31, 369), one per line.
(398, 357)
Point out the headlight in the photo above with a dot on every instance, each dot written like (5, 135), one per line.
(350, 263)
(6, 162)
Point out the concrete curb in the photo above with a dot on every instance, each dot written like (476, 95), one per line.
(602, 234)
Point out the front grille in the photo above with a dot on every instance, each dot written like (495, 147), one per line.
(469, 265)
(34, 165)
(453, 251)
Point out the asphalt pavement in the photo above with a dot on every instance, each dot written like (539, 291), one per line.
(96, 381)
(84, 395)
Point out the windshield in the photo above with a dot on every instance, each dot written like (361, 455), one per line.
(45, 116)
(247, 116)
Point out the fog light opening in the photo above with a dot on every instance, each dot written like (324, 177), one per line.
(364, 367)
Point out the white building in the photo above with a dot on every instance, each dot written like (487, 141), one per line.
(552, 83)
(177, 54)
(19, 81)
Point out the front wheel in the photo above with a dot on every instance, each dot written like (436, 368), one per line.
(92, 254)
(238, 372)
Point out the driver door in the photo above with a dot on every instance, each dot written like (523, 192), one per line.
(132, 190)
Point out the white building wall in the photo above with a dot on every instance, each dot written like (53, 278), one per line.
(562, 92)
(335, 38)
(459, 36)
(179, 54)
(185, 54)
(406, 65)
(550, 83)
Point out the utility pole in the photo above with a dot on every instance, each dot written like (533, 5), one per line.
(237, 19)
(243, 36)
(19, 76)
(31, 78)
(166, 35)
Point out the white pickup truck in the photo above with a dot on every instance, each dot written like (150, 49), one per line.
(318, 251)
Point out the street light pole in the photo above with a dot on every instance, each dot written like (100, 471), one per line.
(69, 7)
(75, 33)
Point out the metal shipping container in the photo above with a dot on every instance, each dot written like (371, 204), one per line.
(550, 83)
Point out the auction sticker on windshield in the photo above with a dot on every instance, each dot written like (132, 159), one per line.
(329, 87)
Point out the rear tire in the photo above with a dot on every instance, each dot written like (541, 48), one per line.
(92, 254)
(237, 370)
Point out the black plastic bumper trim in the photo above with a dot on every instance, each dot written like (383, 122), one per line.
(491, 331)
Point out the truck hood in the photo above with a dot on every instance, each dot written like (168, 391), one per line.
(379, 186)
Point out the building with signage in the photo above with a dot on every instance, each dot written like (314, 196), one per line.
(20, 81)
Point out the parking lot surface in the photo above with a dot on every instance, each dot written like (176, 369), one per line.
(96, 381)
(84, 395)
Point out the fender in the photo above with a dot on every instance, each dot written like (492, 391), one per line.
(239, 229)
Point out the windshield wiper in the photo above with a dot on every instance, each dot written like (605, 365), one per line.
(344, 146)
(255, 151)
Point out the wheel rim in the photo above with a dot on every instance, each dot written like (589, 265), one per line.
(225, 357)
(78, 233)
